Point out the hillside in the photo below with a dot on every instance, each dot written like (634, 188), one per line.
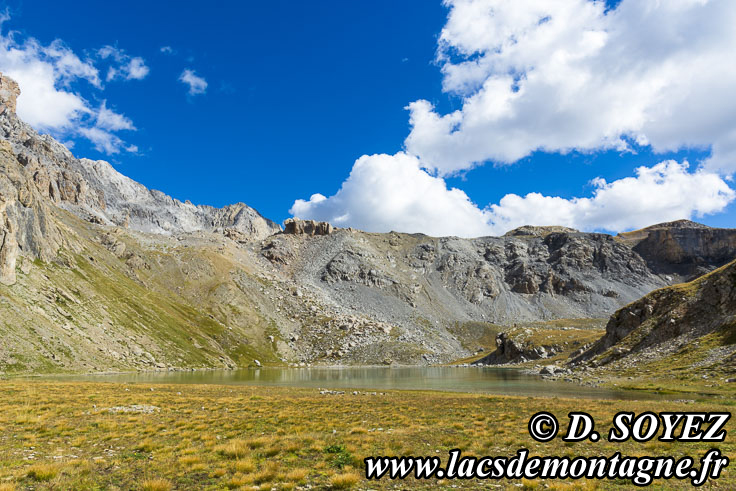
(681, 330)
(99, 273)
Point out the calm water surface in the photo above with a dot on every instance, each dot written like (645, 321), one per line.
(458, 379)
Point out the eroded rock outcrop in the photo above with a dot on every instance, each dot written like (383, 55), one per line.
(349, 266)
(9, 92)
(306, 227)
(510, 350)
(531, 230)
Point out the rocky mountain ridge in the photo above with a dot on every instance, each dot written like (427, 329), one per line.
(95, 191)
(99, 273)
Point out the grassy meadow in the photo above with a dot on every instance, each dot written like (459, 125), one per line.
(78, 435)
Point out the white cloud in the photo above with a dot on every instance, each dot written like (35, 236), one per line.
(104, 141)
(110, 120)
(48, 99)
(661, 193)
(558, 75)
(67, 65)
(136, 68)
(126, 67)
(197, 85)
(392, 192)
(167, 50)
(387, 192)
(44, 73)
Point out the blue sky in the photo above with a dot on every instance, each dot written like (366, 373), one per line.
(297, 91)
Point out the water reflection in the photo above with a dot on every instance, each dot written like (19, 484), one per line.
(458, 379)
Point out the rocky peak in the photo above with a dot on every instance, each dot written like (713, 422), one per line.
(9, 92)
(678, 224)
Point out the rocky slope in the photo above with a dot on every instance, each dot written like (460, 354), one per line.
(77, 296)
(97, 272)
(431, 288)
(693, 322)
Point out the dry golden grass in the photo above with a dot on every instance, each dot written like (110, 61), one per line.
(246, 465)
(156, 485)
(297, 476)
(189, 460)
(43, 472)
(284, 437)
(345, 481)
(234, 449)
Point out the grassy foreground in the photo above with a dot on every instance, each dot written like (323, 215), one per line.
(63, 435)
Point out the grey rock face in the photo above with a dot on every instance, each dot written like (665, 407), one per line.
(25, 220)
(425, 285)
(96, 191)
(8, 247)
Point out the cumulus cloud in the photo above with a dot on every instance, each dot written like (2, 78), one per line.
(167, 50)
(393, 192)
(560, 76)
(565, 75)
(110, 120)
(197, 85)
(661, 193)
(46, 75)
(124, 66)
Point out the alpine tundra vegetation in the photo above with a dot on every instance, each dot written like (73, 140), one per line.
(150, 343)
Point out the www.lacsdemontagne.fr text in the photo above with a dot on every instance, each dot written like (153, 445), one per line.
(641, 471)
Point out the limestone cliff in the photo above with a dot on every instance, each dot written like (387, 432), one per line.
(683, 248)
(26, 227)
